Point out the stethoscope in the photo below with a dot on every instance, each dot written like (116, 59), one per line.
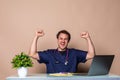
(66, 58)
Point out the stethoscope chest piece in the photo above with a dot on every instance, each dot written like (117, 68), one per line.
(66, 62)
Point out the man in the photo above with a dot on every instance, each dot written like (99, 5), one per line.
(62, 59)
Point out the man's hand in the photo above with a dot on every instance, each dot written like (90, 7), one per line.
(40, 33)
(85, 35)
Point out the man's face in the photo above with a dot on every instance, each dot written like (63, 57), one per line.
(62, 41)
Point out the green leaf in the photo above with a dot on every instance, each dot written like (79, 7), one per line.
(21, 60)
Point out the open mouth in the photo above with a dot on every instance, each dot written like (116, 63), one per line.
(62, 44)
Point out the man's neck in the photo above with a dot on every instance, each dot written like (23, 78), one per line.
(59, 49)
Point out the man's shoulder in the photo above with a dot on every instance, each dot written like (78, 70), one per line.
(74, 49)
(47, 51)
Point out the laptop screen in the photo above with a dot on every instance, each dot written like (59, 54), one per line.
(101, 65)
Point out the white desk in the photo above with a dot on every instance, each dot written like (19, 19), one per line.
(47, 77)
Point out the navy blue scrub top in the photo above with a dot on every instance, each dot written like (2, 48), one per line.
(55, 62)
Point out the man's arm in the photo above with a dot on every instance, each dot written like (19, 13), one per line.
(33, 49)
(91, 50)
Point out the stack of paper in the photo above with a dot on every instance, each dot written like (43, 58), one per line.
(61, 74)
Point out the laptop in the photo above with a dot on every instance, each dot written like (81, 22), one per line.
(100, 65)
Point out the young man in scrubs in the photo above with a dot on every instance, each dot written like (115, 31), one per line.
(62, 59)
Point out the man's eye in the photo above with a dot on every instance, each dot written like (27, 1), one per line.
(66, 39)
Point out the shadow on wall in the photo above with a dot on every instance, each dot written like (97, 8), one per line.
(84, 67)
(37, 68)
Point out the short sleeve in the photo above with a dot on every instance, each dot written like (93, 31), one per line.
(81, 56)
(44, 56)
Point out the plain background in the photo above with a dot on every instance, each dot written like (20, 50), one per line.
(19, 20)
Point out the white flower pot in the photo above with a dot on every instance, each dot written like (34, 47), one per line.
(22, 72)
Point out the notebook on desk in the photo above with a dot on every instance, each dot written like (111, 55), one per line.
(100, 65)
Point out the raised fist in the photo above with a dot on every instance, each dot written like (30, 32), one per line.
(85, 35)
(40, 33)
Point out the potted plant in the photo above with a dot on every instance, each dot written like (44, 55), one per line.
(21, 62)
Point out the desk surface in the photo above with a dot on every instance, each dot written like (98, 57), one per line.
(76, 77)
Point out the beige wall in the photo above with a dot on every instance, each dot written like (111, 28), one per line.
(19, 19)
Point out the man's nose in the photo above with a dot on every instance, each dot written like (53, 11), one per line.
(63, 40)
